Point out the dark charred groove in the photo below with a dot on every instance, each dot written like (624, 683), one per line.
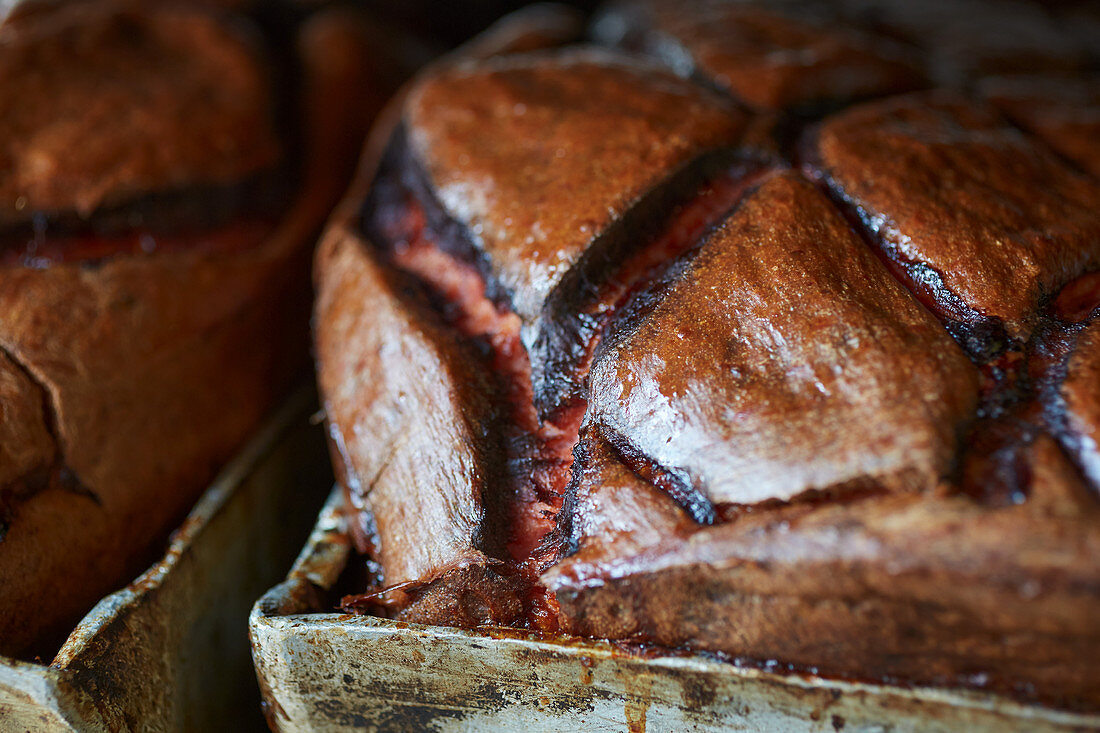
(636, 300)
(983, 338)
(668, 220)
(848, 493)
(564, 531)
(1016, 406)
(1079, 300)
(679, 487)
(813, 112)
(439, 261)
(56, 475)
(1022, 401)
(632, 35)
(408, 225)
(418, 294)
(994, 469)
(400, 175)
(639, 37)
(138, 223)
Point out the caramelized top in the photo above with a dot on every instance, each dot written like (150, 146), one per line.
(139, 101)
(538, 154)
(750, 371)
(948, 185)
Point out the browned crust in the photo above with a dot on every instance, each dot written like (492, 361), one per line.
(156, 368)
(120, 82)
(934, 591)
(407, 411)
(923, 586)
(947, 184)
(748, 373)
(560, 144)
(439, 540)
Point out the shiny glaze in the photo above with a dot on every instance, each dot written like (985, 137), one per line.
(948, 189)
(537, 155)
(826, 418)
(743, 376)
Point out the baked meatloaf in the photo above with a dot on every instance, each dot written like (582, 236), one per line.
(764, 329)
(158, 203)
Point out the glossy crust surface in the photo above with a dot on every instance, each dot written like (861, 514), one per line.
(394, 378)
(537, 156)
(892, 586)
(767, 346)
(1081, 391)
(830, 374)
(947, 186)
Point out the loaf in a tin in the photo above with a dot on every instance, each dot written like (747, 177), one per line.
(768, 330)
(161, 185)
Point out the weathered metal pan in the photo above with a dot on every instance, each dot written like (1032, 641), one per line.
(170, 651)
(332, 672)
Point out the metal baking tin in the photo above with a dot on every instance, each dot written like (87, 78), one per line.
(335, 672)
(169, 652)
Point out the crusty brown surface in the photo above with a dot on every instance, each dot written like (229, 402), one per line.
(149, 371)
(796, 334)
(946, 183)
(121, 82)
(408, 411)
(195, 370)
(537, 155)
(926, 590)
(785, 56)
(613, 512)
(833, 428)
